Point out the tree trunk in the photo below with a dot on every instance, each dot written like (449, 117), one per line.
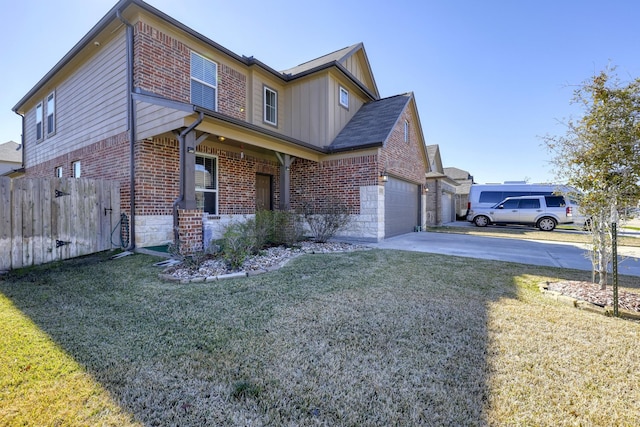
(602, 267)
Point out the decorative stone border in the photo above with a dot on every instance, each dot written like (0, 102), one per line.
(585, 305)
(200, 279)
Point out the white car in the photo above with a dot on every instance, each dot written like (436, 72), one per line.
(543, 212)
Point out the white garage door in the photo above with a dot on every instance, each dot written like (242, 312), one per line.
(401, 207)
(447, 208)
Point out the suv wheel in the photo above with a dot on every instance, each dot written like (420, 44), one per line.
(481, 221)
(547, 224)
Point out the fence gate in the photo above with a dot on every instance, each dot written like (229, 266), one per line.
(50, 219)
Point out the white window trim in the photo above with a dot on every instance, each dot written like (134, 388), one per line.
(58, 172)
(40, 120)
(265, 90)
(208, 190)
(76, 172)
(214, 86)
(344, 91)
(52, 131)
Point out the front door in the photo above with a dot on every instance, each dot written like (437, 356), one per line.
(264, 195)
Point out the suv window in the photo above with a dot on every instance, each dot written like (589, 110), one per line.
(510, 204)
(529, 204)
(555, 201)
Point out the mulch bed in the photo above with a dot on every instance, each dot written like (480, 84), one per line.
(591, 292)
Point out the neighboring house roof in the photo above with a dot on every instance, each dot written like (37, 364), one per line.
(372, 124)
(9, 152)
(457, 174)
(433, 152)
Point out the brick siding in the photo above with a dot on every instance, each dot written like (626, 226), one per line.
(107, 159)
(339, 179)
(162, 65)
(404, 159)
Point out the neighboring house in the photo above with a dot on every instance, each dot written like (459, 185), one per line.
(199, 136)
(464, 179)
(10, 158)
(441, 191)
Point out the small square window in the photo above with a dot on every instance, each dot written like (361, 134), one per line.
(76, 170)
(344, 97)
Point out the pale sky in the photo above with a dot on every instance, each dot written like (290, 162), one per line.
(490, 77)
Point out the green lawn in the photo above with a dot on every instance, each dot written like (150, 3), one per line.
(375, 338)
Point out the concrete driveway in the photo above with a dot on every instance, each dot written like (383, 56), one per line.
(535, 252)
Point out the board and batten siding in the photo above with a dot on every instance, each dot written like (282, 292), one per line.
(307, 110)
(338, 115)
(258, 82)
(91, 105)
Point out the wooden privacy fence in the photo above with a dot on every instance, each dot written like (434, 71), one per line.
(50, 219)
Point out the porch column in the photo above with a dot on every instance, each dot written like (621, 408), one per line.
(285, 180)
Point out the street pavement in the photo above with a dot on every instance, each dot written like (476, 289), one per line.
(535, 252)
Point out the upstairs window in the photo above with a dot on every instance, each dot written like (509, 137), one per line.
(39, 130)
(270, 106)
(344, 97)
(51, 113)
(406, 131)
(207, 184)
(204, 82)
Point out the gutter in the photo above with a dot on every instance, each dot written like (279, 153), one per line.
(131, 121)
(183, 154)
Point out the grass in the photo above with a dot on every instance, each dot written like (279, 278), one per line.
(533, 234)
(375, 338)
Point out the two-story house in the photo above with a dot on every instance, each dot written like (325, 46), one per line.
(200, 135)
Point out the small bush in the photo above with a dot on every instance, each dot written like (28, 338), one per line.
(275, 228)
(239, 241)
(325, 218)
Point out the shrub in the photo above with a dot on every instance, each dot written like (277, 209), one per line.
(274, 228)
(325, 217)
(238, 242)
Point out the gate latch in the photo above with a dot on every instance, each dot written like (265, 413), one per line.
(61, 243)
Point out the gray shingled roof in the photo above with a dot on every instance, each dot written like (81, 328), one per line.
(372, 124)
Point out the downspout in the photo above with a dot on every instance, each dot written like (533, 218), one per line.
(131, 121)
(183, 152)
(22, 137)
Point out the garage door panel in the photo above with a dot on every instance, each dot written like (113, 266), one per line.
(401, 207)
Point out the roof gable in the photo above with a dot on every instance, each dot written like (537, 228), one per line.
(372, 124)
(352, 60)
(435, 161)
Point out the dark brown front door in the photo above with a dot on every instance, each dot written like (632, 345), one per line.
(263, 192)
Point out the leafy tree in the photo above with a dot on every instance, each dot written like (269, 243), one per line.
(600, 157)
